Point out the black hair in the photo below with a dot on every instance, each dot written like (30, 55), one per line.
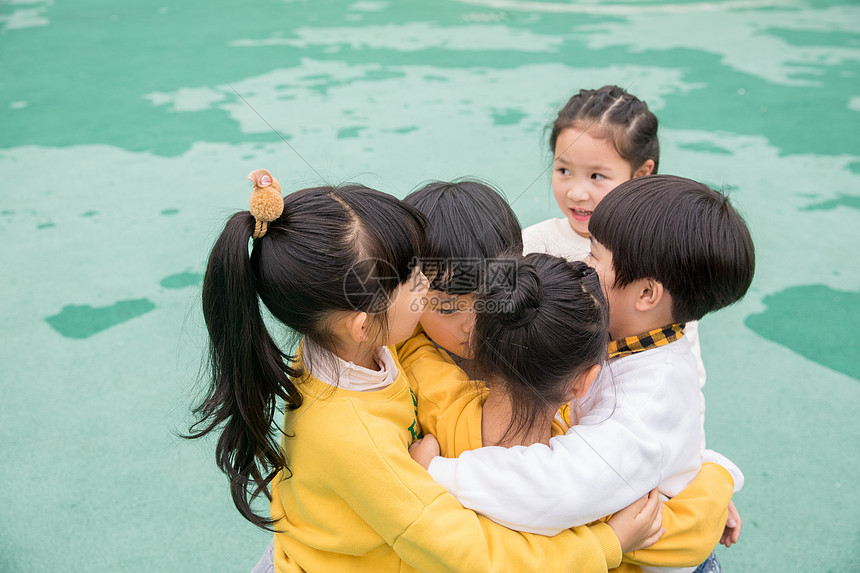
(468, 222)
(537, 332)
(333, 249)
(681, 233)
(612, 113)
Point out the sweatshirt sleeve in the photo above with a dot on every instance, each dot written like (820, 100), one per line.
(581, 476)
(694, 521)
(428, 528)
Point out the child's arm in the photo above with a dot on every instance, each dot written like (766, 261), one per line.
(579, 478)
(592, 471)
(641, 432)
(694, 521)
(424, 524)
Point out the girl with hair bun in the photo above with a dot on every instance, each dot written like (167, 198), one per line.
(539, 346)
(539, 341)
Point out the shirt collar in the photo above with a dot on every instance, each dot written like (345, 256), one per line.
(642, 342)
(334, 371)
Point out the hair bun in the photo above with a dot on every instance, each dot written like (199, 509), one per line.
(522, 302)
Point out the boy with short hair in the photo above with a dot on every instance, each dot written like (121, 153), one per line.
(668, 250)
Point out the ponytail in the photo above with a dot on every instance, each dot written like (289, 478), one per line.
(249, 373)
(330, 250)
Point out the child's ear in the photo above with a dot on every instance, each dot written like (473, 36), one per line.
(356, 326)
(650, 294)
(584, 381)
(646, 168)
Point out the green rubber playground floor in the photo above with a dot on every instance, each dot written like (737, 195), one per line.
(126, 134)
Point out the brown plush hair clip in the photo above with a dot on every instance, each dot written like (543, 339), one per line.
(267, 204)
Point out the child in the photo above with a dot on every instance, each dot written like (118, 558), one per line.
(668, 250)
(600, 139)
(334, 265)
(469, 223)
(540, 346)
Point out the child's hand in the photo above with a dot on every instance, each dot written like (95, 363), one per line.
(639, 525)
(424, 450)
(733, 526)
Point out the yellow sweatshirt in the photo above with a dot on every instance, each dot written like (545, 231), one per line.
(353, 499)
(694, 519)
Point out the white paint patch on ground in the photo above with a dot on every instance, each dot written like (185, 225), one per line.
(623, 8)
(186, 99)
(743, 42)
(368, 6)
(413, 37)
(32, 16)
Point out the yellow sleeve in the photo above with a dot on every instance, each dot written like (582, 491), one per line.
(425, 525)
(436, 380)
(694, 521)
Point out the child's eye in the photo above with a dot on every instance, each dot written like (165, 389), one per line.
(564, 171)
(447, 311)
(598, 176)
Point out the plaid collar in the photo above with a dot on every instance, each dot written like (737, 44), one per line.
(647, 341)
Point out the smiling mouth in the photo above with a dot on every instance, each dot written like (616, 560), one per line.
(581, 214)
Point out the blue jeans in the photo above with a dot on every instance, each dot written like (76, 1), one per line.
(710, 565)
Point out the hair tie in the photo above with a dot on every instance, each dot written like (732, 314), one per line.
(266, 203)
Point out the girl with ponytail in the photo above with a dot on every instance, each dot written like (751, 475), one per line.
(334, 267)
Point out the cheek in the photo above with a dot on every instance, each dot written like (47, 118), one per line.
(602, 190)
(606, 279)
(439, 330)
(559, 190)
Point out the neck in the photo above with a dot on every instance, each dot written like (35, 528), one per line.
(358, 355)
(496, 418)
(640, 323)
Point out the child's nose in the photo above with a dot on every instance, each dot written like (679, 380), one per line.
(577, 191)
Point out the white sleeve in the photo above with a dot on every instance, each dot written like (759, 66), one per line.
(735, 471)
(586, 474)
(691, 331)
